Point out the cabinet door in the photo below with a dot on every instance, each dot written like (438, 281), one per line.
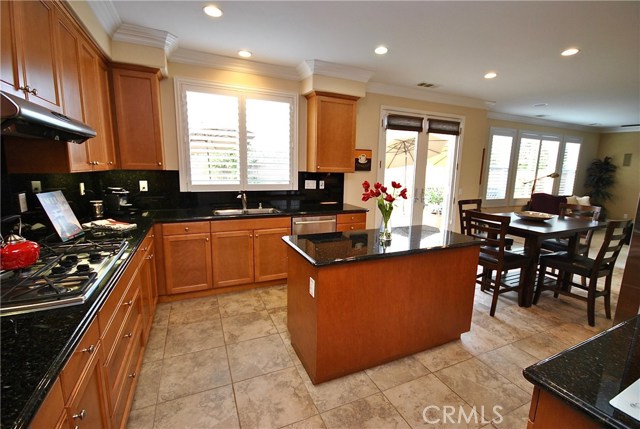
(233, 256)
(270, 254)
(107, 153)
(68, 42)
(331, 141)
(36, 47)
(51, 414)
(87, 408)
(136, 96)
(187, 262)
(10, 69)
(148, 288)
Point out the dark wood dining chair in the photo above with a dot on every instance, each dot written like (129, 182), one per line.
(493, 254)
(591, 213)
(476, 205)
(591, 269)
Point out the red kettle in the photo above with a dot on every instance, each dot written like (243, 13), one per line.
(18, 252)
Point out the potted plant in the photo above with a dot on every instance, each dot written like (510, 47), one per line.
(600, 178)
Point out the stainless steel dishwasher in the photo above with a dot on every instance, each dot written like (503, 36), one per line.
(313, 224)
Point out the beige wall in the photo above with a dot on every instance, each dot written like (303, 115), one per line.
(88, 20)
(627, 186)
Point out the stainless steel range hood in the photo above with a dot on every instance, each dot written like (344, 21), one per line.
(23, 118)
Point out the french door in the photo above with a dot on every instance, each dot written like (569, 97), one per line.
(420, 153)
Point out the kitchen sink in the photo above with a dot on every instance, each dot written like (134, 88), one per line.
(239, 212)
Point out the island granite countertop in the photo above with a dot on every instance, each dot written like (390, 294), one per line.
(352, 246)
(588, 375)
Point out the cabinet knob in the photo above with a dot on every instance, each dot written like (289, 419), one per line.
(132, 375)
(149, 257)
(126, 304)
(144, 249)
(25, 88)
(80, 415)
(129, 335)
(206, 239)
(159, 163)
(110, 162)
(89, 349)
(186, 228)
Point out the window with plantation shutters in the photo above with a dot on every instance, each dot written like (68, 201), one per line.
(235, 139)
(515, 159)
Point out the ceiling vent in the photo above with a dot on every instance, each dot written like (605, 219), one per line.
(427, 85)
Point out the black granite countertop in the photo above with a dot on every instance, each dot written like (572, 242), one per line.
(36, 346)
(588, 375)
(351, 246)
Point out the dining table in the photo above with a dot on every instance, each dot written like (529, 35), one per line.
(535, 231)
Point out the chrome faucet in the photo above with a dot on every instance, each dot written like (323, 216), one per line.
(243, 196)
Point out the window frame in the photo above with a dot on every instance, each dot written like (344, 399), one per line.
(517, 136)
(182, 85)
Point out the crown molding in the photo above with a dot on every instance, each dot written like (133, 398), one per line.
(107, 15)
(634, 129)
(138, 35)
(203, 59)
(425, 95)
(325, 68)
(542, 122)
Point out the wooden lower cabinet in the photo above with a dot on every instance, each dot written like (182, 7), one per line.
(249, 251)
(233, 257)
(51, 414)
(187, 257)
(87, 409)
(549, 412)
(351, 222)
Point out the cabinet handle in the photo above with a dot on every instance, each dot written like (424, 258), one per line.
(129, 335)
(149, 257)
(144, 249)
(132, 375)
(110, 162)
(159, 163)
(25, 88)
(80, 415)
(34, 91)
(186, 228)
(127, 303)
(89, 349)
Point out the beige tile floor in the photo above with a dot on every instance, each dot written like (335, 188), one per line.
(226, 362)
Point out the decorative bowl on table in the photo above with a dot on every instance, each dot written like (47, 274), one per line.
(535, 216)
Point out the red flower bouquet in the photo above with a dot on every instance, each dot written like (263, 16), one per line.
(385, 198)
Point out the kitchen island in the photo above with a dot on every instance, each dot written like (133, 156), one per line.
(355, 302)
(573, 388)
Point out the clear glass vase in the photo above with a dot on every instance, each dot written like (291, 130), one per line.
(385, 231)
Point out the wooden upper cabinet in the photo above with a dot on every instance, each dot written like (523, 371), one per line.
(136, 95)
(331, 132)
(96, 109)
(28, 47)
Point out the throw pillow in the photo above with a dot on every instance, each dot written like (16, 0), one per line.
(584, 201)
(572, 200)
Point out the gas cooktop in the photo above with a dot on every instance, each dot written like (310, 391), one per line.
(65, 274)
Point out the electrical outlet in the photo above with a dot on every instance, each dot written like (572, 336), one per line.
(309, 184)
(144, 186)
(82, 192)
(321, 184)
(36, 186)
(312, 287)
(626, 215)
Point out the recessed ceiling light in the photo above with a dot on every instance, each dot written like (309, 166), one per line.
(213, 11)
(541, 105)
(490, 75)
(244, 54)
(381, 50)
(569, 52)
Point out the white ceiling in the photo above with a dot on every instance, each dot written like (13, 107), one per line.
(451, 44)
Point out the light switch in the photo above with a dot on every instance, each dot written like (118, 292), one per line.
(309, 184)
(312, 287)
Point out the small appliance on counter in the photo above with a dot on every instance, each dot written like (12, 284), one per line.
(116, 201)
(17, 252)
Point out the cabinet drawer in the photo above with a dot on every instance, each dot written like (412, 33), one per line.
(112, 316)
(352, 218)
(185, 228)
(130, 376)
(350, 226)
(80, 358)
(116, 362)
(248, 224)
